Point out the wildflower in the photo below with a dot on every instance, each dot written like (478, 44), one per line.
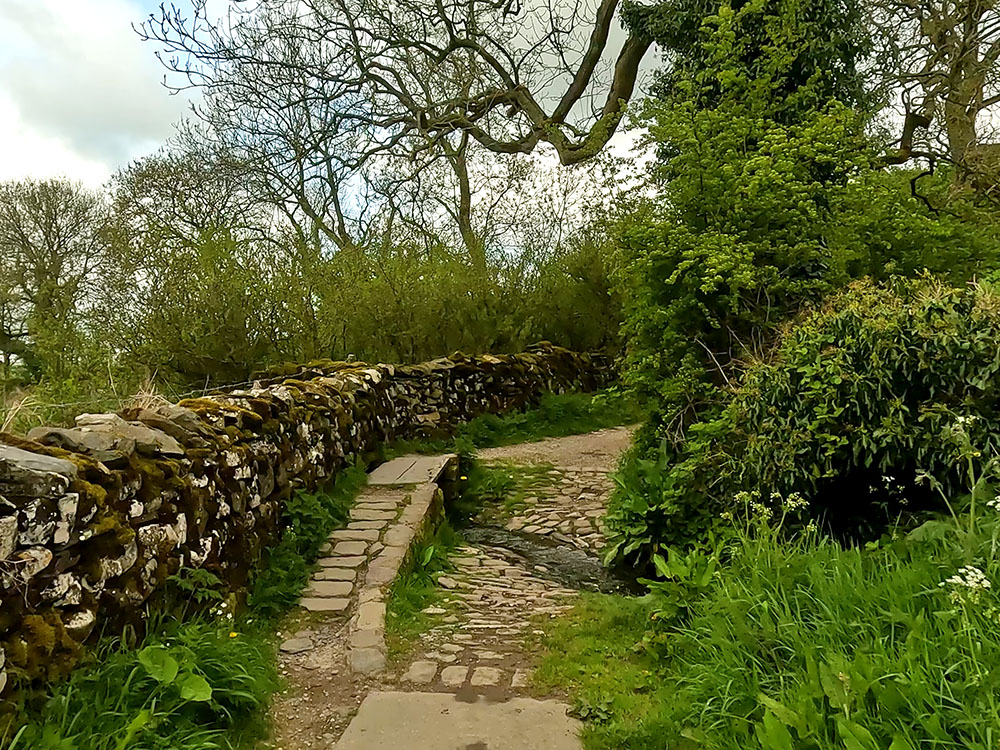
(811, 527)
(761, 510)
(967, 585)
(994, 503)
(795, 502)
(463, 477)
(233, 634)
(727, 516)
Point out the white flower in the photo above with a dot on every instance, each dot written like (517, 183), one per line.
(994, 503)
(795, 502)
(967, 585)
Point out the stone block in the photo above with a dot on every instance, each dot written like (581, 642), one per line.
(486, 677)
(421, 672)
(371, 638)
(346, 561)
(335, 574)
(336, 606)
(371, 615)
(334, 589)
(454, 676)
(361, 514)
(350, 549)
(366, 661)
(354, 535)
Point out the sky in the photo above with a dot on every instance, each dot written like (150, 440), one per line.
(80, 94)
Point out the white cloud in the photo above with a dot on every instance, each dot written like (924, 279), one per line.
(80, 94)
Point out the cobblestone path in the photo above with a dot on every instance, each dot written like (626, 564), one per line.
(495, 595)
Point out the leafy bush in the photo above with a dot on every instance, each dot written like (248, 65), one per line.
(196, 686)
(864, 408)
(308, 519)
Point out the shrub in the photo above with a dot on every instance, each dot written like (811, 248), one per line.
(866, 403)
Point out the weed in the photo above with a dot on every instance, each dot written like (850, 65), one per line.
(309, 519)
(415, 590)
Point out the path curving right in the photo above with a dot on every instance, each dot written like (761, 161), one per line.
(468, 685)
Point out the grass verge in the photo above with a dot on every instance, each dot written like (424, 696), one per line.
(200, 684)
(795, 643)
(555, 415)
(415, 590)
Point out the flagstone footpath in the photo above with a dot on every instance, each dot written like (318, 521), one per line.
(467, 685)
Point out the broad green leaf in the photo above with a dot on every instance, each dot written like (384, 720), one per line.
(160, 665)
(194, 687)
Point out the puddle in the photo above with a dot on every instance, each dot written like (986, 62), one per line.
(566, 565)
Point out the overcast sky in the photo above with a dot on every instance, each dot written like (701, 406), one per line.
(80, 94)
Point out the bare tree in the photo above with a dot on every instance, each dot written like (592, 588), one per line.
(403, 75)
(946, 62)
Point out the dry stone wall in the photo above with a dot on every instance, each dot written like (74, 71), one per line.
(94, 519)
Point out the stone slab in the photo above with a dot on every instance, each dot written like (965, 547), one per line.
(365, 514)
(350, 549)
(335, 574)
(439, 721)
(421, 672)
(354, 535)
(316, 604)
(411, 470)
(329, 589)
(348, 561)
(366, 660)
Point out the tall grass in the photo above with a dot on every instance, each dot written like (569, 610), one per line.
(800, 643)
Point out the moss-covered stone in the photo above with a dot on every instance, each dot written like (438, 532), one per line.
(126, 526)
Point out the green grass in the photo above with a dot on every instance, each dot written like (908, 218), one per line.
(614, 686)
(796, 644)
(498, 490)
(415, 590)
(309, 519)
(200, 684)
(556, 415)
(194, 686)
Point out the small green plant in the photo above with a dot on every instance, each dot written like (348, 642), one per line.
(595, 713)
(414, 590)
(197, 585)
(308, 518)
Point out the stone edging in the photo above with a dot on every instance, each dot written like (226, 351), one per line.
(366, 631)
